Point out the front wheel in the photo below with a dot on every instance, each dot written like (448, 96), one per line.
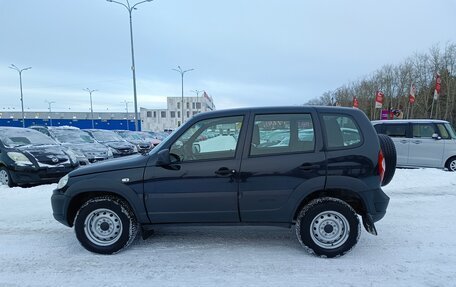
(328, 227)
(5, 177)
(105, 225)
(451, 164)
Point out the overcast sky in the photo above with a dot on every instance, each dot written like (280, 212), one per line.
(244, 52)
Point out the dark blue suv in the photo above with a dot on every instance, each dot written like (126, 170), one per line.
(319, 168)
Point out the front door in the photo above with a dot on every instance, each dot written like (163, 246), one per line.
(200, 185)
(424, 149)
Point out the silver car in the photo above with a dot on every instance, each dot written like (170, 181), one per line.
(421, 143)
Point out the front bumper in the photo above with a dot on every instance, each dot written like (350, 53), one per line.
(24, 175)
(58, 202)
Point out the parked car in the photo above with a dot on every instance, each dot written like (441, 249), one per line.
(151, 137)
(136, 138)
(119, 146)
(421, 143)
(86, 148)
(28, 157)
(320, 182)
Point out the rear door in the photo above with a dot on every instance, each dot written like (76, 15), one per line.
(283, 159)
(399, 133)
(425, 150)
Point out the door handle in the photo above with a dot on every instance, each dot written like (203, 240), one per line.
(307, 167)
(224, 171)
(416, 142)
(403, 141)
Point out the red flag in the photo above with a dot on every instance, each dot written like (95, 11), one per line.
(438, 83)
(355, 103)
(412, 94)
(379, 99)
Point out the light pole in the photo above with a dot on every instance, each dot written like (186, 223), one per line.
(50, 110)
(126, 109)
(197, 94)
(20, 83)
(130, 9)
(91, 106)
(182, 73)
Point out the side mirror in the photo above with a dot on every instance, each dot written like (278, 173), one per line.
(196, 148)
(436, 136)
(163, 158)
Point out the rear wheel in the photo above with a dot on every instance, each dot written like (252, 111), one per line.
(389, 154)
(451, 164)
(5, 177)
(328, 227)
(105, 225)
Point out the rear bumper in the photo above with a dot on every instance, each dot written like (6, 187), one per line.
(23, 175)
(376, 203)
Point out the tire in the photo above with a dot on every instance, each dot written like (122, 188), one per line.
(105, 225)
(451, 164)
(5, 177)
(389, 153)
(331, 219)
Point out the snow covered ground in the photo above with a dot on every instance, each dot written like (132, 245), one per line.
(416, 246)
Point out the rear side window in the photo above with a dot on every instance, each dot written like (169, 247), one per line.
(341, 131)
(396, 130)
(282, 133)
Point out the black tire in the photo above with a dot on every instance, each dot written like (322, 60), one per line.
(389, 153)
(5, 177)
(451, 164)
(105, 225)
(342, 221)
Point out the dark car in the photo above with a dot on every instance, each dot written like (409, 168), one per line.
(136, 138)
(321, 181)
(28, 157)
(119, 147)
(86, 148)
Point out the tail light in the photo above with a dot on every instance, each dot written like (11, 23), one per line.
(381, 165)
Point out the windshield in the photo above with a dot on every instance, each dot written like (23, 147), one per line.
(22, 137)
(133, 136)
(106, 136)
(73, 136)
(450, 130)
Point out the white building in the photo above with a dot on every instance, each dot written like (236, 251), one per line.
(171, 117)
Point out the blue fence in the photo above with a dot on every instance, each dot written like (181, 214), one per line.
(82, 124)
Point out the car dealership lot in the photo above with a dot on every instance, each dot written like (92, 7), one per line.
(415, 247)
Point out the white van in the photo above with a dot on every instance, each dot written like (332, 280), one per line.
(421, 143)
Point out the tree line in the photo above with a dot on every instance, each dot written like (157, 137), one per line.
(395, 82)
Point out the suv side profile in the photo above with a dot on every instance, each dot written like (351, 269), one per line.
(421, 143)
(322, 174)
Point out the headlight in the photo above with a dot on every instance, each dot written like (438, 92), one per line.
(72, 156)
(19, 158)
(135, 149)
(113, 150)
(62, 182)
(110, 152)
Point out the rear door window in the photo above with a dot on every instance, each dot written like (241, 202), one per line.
(341, 131)
(282, 133)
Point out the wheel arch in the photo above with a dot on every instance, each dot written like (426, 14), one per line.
(447, 162)
(350, 197)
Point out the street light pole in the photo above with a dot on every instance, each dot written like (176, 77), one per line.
(182, 73)
(50, 110)
(197, 94)
(91, 106)
(126, 109)
(130, 9)
(20, 84)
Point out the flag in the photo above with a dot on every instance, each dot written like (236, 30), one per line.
(379, 99)
(355, 103)
(412, 94)
(438, 83)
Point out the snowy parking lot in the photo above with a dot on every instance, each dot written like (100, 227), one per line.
(415, 247)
